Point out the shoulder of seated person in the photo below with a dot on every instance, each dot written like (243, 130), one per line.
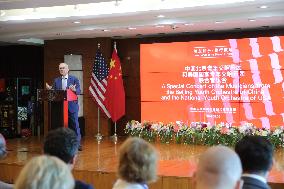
(82, 185)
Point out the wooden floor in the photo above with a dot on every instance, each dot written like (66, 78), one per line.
(97, 163)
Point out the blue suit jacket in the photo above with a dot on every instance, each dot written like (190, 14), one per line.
(72, 80)
(82, 185)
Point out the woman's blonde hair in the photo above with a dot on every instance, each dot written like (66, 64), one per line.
(44, 172)
(137, 161)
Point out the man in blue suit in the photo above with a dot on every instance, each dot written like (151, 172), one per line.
(66, 81)
(63, 143)
(256, 154)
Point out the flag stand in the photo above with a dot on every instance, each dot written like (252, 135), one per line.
(99, 136)
(114, 136)
(98, 155)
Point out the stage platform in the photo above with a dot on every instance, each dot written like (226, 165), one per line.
(97, 163)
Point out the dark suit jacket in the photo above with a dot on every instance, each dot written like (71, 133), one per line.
(72, 80)
(252, 183)
(82, 185)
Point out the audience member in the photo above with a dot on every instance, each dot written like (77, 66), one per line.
(137, 164)
(44, 172)
(3, 152)
(219, 167)
(63, 143)
(256, 154)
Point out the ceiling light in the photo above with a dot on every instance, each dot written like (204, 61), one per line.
(130, 28)
(33, 40)
(159, 26)
(252, 20)
(219, 22)
(263, 7)
(160, 16)
(105, 30)
(76, 22)
(188, 24)
(2, 13)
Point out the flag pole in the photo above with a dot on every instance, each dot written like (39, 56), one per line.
(114, 45)
(98, 155)
(114, 136)
(99, 136)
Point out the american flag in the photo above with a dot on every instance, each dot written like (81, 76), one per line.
(99, 81)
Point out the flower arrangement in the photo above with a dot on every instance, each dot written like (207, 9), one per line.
(201, 133)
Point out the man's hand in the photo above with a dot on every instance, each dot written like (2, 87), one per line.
(72, 88)
(48, 86)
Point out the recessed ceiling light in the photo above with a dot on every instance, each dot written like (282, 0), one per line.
(263, 7)
(219, 22)
(159, 26)
(160, 16)
(76, 22)
(2, 13)
(188, 24)
(105, 30)
(131, 28)
(33, 40)
(252, 20)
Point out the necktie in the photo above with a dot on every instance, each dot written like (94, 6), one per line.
(64, 83)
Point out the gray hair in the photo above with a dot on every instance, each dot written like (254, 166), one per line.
(2, 146)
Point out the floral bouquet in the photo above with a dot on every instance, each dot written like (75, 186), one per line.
(201, 133)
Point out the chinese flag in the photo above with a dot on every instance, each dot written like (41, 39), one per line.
(115, 95)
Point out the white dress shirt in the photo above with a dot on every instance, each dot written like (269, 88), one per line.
(260, 178)
(64, 82)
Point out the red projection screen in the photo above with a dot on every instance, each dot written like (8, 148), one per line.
(231, 81)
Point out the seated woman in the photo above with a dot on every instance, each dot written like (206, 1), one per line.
(44, 172)
(137, 164)
(3, 153)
